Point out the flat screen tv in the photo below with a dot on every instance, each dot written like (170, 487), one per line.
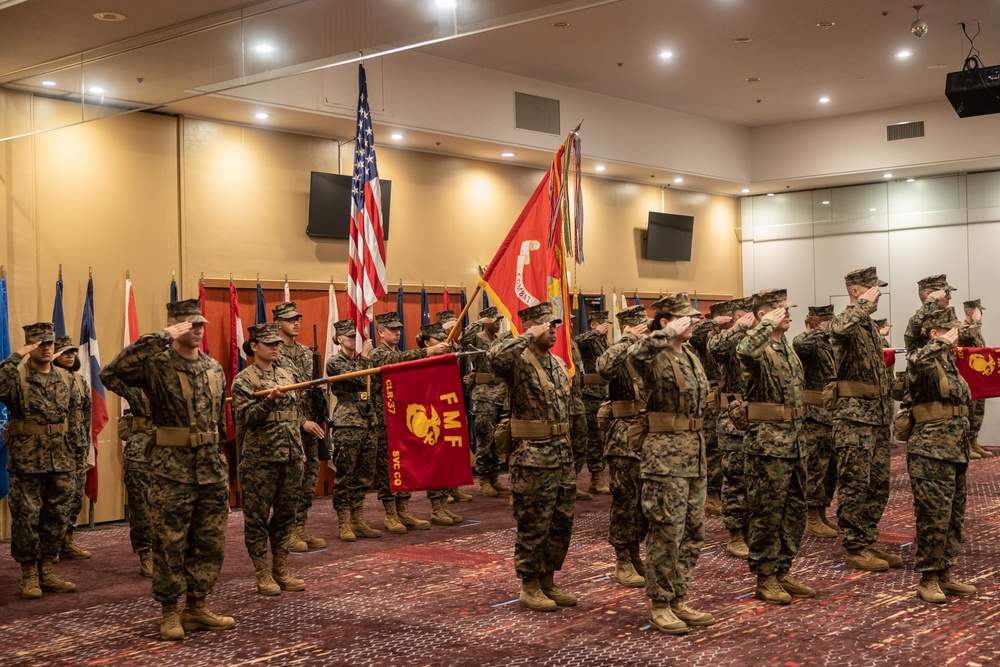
(668, 237)
(330, 205)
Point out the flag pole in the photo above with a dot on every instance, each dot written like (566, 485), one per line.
(461, 316)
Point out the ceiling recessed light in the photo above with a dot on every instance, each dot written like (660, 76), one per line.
(742, 40)
(508, 154)
(112, 17)
(396, 136)
(826, 203)
(600, 167)
(666, 55)
(770, 194)
(745, 190)
(904, 54)
(678, 180)
(48, 83)
(873, 209)
(886, 175)
(753, 79)
(446, 4)
(561, 24)
(263, 48)
(261, 115)
(910, 180)
(97, 90)
(825, 25)
(824, 100)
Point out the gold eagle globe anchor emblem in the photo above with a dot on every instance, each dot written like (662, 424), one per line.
(423, 425)
(982, 364)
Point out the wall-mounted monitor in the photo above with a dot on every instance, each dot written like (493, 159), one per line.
(330, 205)
(668, 237)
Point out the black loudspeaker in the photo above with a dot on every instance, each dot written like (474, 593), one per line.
(974, 92)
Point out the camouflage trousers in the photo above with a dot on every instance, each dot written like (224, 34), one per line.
(382, 483)
(863, 478)
(593, 453)
(734, 484)
(939, 494)
(189, 536)
(80, 480)
(310, 477)
(39, 512)
(355, 462)
(977, 412)
(776, 505)
(544, 503)
(487, 459)
(137, 486)
(822, 463)
(675, 509)
(713, 453)
(628, 526)
(269, 503)
(580, 440)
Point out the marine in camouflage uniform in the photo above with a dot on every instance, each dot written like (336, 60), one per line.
(296, 358)
(722, 348)
(861, 420)
(673, 465)
(489, 397)
(627, 527)
(66, 358)
(938, 456)
(699, 341)
(816, 354)
(542, 469)
(592, 344)
(43, 403)
(775, 449)
(268, 430)
(971, 335)
(189, 476)
(914, 336)
(353, 434)
(134, 430)
(578, 432)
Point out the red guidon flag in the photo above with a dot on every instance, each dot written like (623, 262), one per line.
(890, 357)
(426, 425)
(980, 366)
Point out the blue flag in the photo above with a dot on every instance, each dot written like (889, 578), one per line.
(486, 301)
(425, 309)
(581, 315)
(4, 417)
(603, 306)
(58, 319)
(260, 313)
(638, 301)
(173, 291)
(399, 313)
(463, 301)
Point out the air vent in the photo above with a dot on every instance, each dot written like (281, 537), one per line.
(898, 131)
(539, 114)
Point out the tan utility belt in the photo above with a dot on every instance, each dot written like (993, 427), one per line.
(623, 409)
(936, 411)
(853, 389)
(673, 422)
(812, 397)
(713, 398)
(169, 436)
(774, 412)
(138, 424)
(724, 399)
(283, 416)
(537, 429)
(593, 378)
(30, 427)
(486, 378)
(353, 396)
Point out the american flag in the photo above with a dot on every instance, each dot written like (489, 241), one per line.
(366, 261)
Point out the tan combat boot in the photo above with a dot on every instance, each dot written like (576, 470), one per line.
(974, 455)
(815, 525)
(30, 590)
(285, 581)
(713, 504)
(554, 593)
(71, 549)
(498, 485)
(979, 449)
(583, 495)
(865, 560)
(455, 518)
(407, 519)
(439, 517)
(344, 531)
(770, 591)
(737, 546)
(954, 586)
(196, 616)
(486, 489)
(48, 580)
(265, 582)
(625, 573)
(531, 597)
(892, 559)
(598, 486)
(295, 542)
(636, 558)
(794, 588)
(827, 521)
(360, 528)
(146, 563)
(170, 623)
(689, 615)
(460, 496)
(929, 589)
(662, 617)
(311, 541)
(391, 521)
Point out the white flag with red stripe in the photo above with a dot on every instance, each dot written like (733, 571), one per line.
(131, 326)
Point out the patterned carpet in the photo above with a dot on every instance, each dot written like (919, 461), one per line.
(447, 596)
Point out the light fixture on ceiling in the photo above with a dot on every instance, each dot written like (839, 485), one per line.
(561, 24)
(508, 154)
(742, 40)
(753, 79)
(678, 180)
(824, 100)
(826, 202)
(919, 27)
(48, 83)
(446, 4)
(770, 194)
(600, 167)
(261, 115)
(263, 48)
(666, 55)
(886, 175)
(825, 25)
(111, 17)
(97, 90)
(902, 55)
(396, 136)
(745, 190)
(872, 210)
(910, 180)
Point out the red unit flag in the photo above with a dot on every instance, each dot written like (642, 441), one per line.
(426, 425)
(980, 366)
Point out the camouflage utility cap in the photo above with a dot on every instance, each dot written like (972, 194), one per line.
(65, 344)
(285, 311)
(865, 277)
(769, 299)
(934, 283)
(344, 327)
(388, 320)
(491, 313)
(599, 316)
(675, 305)
(446, 316)
(188, 310)
(940, 319)
(433, 330)
(973, 304)
(824, 313)
(265, 333)
(540, 313)
(721, 309)
(882, 323)
(744, 303)
(39, 332)
(633, 316)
